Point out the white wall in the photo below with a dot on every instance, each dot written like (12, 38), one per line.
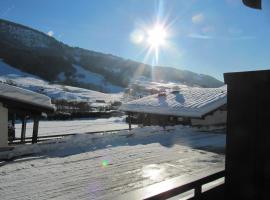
(3, 126)
(217, 118)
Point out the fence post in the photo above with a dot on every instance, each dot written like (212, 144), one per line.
(35, 130)
(198, 192)
(129, 121)
(23, 129)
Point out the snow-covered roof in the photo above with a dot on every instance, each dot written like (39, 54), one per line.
(98, 105)
(11, 93)
(187, 102)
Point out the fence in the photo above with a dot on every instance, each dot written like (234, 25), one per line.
(58, 136)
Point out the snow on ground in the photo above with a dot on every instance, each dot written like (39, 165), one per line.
(74, 126)
(87, 77)
(103, 166)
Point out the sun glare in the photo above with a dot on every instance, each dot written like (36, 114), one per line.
(156, 36)
(153, 39)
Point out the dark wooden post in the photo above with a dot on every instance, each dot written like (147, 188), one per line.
(23, 129)
(13, 126)
(129, 121)
(198, 192)
(35, 130)
(248, 138)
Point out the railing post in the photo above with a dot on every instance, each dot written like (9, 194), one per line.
(129, 121)
(23, 129)
(35, 130)
(13, 127)
(198, 192)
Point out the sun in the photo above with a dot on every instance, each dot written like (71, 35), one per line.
(156, 36)
(153, 39)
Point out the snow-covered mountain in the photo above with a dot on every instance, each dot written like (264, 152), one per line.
(36, 53)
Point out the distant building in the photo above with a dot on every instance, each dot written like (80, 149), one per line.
(18, 103)
(188, 106)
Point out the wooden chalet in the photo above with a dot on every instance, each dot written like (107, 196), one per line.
(187, 106)
(18, 103)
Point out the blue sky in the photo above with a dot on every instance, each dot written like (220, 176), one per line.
(209, 36)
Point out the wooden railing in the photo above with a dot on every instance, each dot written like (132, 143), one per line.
(195, 183)
(49, 137)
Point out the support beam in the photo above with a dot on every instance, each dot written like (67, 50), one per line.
(198, 192)
(129, 121)
(12, 133)
(3, 126)
(23, 129)
(35, 130)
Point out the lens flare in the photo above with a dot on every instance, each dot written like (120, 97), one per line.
(105, 163)
(137, 36)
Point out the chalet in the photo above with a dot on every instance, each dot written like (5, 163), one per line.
(188, 106)
(18, 103)
(100, 105)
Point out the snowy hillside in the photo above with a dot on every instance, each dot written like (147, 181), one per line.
(88, 77)
(30, 38)
(34, 52)
(139, 87)
(6, 69)
(59, 92)
(15, 77)
(143, 87)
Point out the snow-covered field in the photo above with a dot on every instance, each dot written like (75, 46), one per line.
(103, 166)
(74, 126)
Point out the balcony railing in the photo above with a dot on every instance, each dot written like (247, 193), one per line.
(208, 184)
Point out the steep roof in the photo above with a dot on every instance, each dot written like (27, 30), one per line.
(187, 102)
(11, 95)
